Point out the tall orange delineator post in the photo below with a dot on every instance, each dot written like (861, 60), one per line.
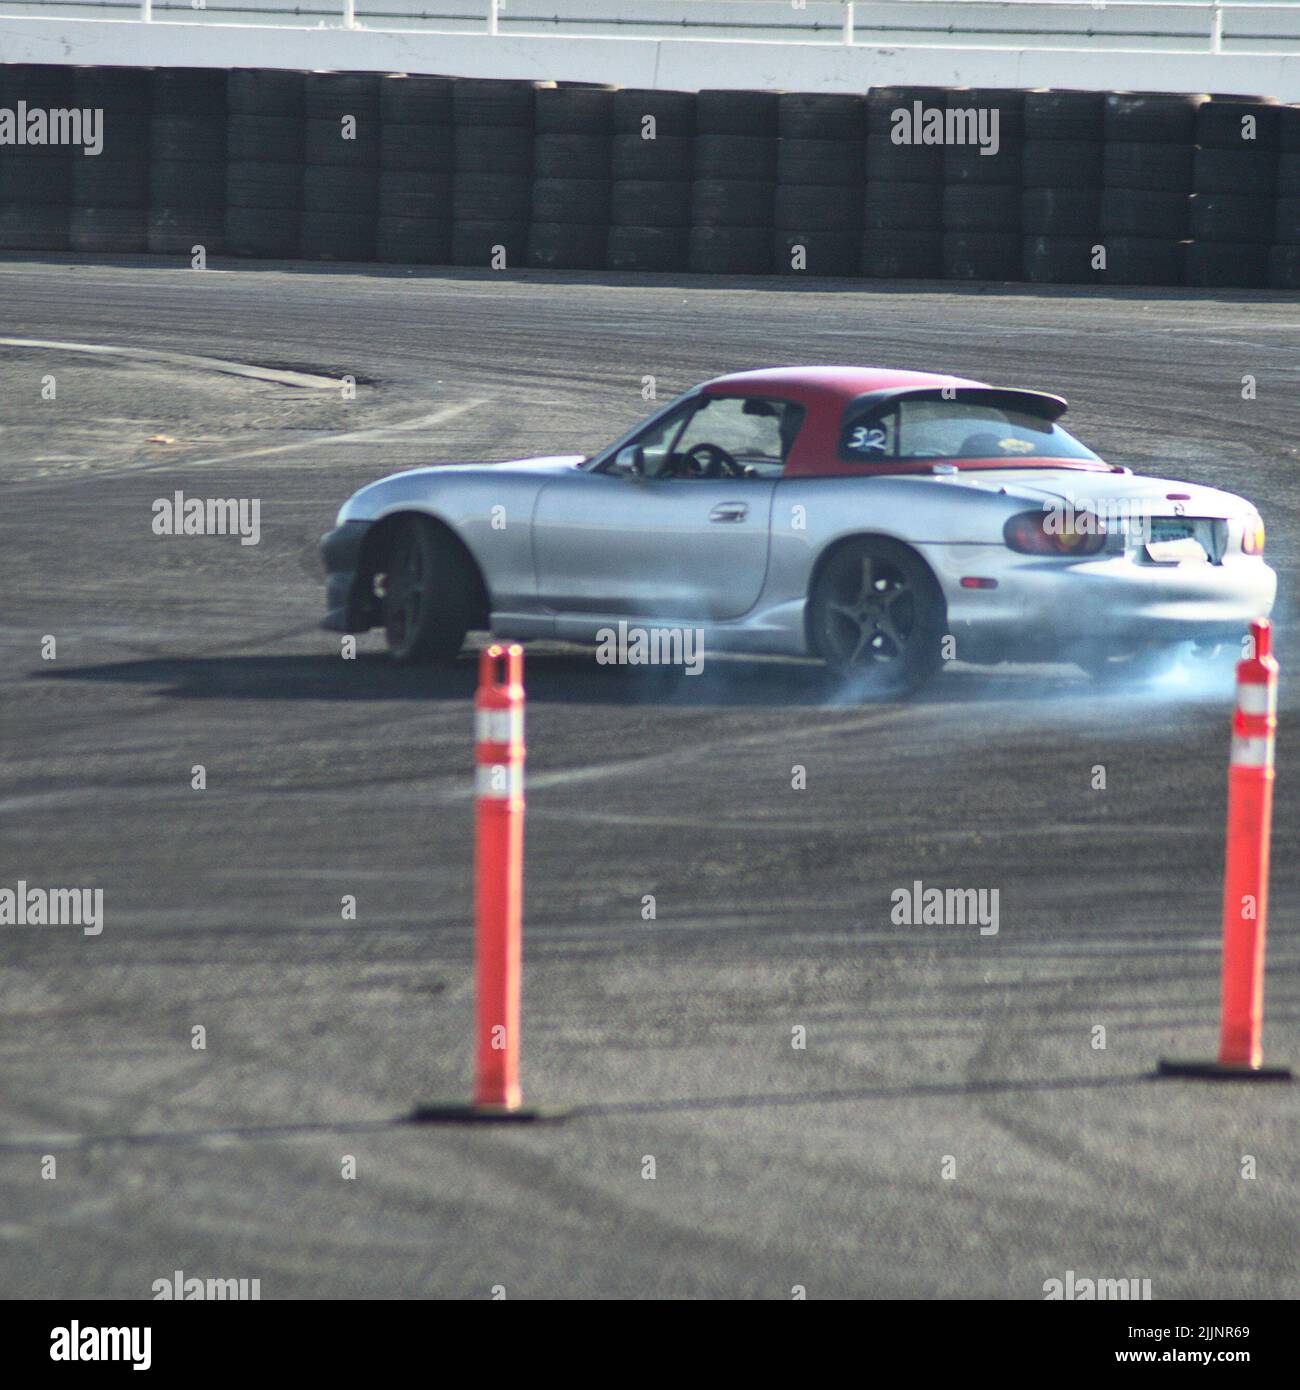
(498, 894)
(499, 873)
(1245, 878)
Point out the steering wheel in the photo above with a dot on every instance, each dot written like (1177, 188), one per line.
(711, 461)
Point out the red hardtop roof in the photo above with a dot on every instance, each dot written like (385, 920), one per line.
(845, 383)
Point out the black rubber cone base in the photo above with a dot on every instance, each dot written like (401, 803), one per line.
(460, 1113)
(1221, 1071)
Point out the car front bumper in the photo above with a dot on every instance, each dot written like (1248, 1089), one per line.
(349, 602)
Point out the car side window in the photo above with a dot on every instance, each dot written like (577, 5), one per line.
(870, 437)
(737, 437)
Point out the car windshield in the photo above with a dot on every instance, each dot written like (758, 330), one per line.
(939, 429)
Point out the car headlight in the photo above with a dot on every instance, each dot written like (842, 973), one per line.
(1053, 533)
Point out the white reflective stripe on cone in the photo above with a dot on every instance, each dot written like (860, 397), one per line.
(499, 781)
(1257, 699)
(499, 725)
(1252, 752)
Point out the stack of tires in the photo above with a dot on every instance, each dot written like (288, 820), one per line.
(417, 157)
(1284, 258)
(35, 180)
(1060, 207)
(733, 199)
(653, 170)
(1146, 185)
(820, 173)
(265, 147)
(110, 191)
(340, 183)
(1234, 198)
(902, 220)
(571, 177)
(187, 161)
(493, 187)
(981, 190)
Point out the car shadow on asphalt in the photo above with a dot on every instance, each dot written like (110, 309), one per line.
(552, 678)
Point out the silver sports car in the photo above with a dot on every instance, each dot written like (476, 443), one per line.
(882, 521)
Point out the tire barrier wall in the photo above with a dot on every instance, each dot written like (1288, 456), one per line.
(1115, 188)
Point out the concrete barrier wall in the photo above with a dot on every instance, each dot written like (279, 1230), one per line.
(899, 182)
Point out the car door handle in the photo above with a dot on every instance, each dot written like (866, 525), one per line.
(729, 511)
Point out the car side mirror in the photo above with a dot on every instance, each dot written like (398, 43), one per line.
(631, 460)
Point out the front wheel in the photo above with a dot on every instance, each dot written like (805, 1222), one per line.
(429, 592)
(876, 617)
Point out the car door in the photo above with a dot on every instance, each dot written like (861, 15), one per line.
(614, 542)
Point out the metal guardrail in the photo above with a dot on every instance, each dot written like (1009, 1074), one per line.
(850, 30)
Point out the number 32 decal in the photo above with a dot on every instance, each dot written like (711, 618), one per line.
(867, 441)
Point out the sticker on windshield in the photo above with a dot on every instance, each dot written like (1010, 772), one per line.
(1017, 446)
(867, 440)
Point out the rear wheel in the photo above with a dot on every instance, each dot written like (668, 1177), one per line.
(876, 616)
(430, 592)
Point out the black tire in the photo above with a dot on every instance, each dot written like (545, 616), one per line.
(1062, 164)
(1008, 102)
(1127, 212)
(270, 233)
(413, 241)
(802, 207)
(648, 248)
(579, 202)
(891, 163)
(126, 139)
(1155, 118)
(1058, 260)
(1248, 124)
(1284, 267)
(497, 102)
(425, 196)
(817, 251)
(821, 116)
(41, 85)
(34, 228)
(265, 92)
(188, 137)
(733, 203)
(110, 183)
(507, 150)
(716, 250)
(1286, 225)
(673, 112)
(752, 115)
(829, 163)
(112, 229)
(267, 186)
(965, 164)
(915, 254)
(326, 142)
(407, 99)
(1064, 212)
(982, 255)
(884, 102)
(1152, 168)
(493, 244)
(431, 593)
(877, 617)
(34, 182)
(574, 111)
(177, 231)
(665, 158)
(118, 91)
(973, 207)
(1221, 264)
(338, 236)
(184, 91)
(330, 96)
(491, 197)
(735, 157)
(567, 246)
(1235, 171)
(899, 206)
(567, 156)
(1142, 261)
(275, 139)
(417, 149)
(1231, 217)
(1288, 174)
(1064, 115)
(185, 185)
(329, 189)
(650, 203)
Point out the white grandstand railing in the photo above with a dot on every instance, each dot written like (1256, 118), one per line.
(850, 28)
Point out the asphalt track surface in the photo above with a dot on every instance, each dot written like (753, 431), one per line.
(774, 1167)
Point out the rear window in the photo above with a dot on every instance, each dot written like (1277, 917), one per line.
(939, 429)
